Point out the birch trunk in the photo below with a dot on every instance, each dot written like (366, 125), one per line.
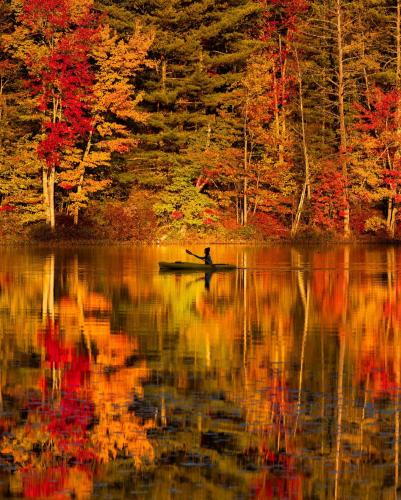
(392, 207)
(306, 187)
(81, 179)
(341, 108)
(51, 179)
(245, 193)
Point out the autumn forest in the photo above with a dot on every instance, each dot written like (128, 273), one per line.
(228, 119)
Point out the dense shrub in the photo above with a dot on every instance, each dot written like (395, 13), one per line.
(130, 220)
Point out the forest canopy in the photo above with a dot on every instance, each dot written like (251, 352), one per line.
(166, 119)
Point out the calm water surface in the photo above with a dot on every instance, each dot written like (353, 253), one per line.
(279, 381)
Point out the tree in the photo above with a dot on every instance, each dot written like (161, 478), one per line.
(200, 53)
(113, 106)
(53, 40)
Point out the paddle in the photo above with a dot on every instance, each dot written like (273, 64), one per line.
(189, 252)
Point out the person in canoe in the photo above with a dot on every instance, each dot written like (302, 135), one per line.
(207, 257)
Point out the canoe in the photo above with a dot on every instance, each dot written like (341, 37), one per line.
(194, 266)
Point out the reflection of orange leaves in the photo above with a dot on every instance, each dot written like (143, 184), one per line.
(114, 349)
(96, 302)
(118, 432)
(329, 286)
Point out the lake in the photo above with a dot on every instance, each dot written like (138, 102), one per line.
(280, 380)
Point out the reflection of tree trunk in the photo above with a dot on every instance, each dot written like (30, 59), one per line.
(340, 375)
(365, 402)
(397, 363)
(1, 388)
(323, 389)
(340, 403)
(163, 413)
(48, 311)
(305, 296)
(397, 413)
(245, 320)
(77, 287)
(48, 288)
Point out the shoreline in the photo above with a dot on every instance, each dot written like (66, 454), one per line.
(315, 242)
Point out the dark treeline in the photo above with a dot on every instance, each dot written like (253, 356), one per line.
(142, 119)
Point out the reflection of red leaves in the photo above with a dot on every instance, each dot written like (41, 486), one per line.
(66, 185)
(6, 208)
(52, 482)
(381, 375)
(177, 214)
(71, 418)
(43, 483)
(56, 353)
(285, 484)
(329, 289)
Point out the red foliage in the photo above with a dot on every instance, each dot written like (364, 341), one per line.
(380, 121)
(64, 75)
(230, 223)
(283, 15)
(381, 115)
(328, 198)
(281, 18)
(270, 225)
(359, 216)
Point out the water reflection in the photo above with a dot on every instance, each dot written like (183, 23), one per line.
(281, 380)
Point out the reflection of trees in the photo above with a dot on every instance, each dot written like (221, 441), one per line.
(77, 412)
(266, 381)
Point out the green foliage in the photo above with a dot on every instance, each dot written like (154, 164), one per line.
(181, 204)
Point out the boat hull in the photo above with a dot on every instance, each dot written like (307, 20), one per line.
(193, 266)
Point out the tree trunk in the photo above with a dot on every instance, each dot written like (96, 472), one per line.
(392, 215)
(45, 187)
(306, 187)
(51, 179)
(81, 179)
(343, 132)
(245, 193)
